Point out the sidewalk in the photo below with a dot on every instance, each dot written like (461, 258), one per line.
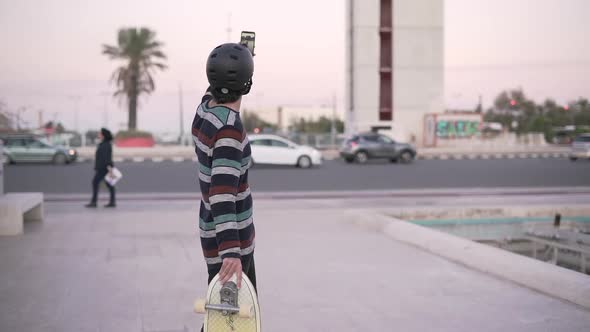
(187, 153)
(139, 268)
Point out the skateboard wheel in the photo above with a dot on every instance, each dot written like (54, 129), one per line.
(245, 311)
(200, 306)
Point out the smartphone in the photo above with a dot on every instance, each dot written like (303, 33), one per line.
(248, 39)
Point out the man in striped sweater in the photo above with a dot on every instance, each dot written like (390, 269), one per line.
(223, 151)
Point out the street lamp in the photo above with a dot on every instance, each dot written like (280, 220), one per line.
(18, 116)
(76, 100)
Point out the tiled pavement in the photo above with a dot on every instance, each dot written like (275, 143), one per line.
(139, 268)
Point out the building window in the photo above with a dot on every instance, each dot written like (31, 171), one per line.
(386, 62)
(385, 97)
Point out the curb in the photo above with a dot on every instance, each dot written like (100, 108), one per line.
(143, 159)
(500, 155)
(545, 278)
(456, 156)
(356, 194)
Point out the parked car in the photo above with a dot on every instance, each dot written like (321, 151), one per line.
(168, 139)
(30, 148)
(365, 146)
(272, 149)
(580, 147)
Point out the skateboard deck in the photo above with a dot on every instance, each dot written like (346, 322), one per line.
(228, 309)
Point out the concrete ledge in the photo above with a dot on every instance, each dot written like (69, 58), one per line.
(546, 278)
(499, 210)
(17, 208)
(416, 194)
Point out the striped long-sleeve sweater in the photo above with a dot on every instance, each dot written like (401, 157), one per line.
(223, 151)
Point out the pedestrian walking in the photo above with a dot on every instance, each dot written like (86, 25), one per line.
(103, 167)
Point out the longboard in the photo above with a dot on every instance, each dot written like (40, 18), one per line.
(228, 309)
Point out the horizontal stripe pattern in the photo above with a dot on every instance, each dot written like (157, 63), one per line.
(226, 162)
(236, 218)
(220, 170)
(211, 233)
(222, 198)
(230, 142)
(223, 153)
(217, 259)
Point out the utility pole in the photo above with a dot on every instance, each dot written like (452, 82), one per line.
(105, 112)
(333, 131)
(40, 118)
(76, 100)
(229, 29)
(480, 103)
(280, 118)
(181, 111)
(18, 119)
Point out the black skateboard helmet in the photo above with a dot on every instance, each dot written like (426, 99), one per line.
(230, 68)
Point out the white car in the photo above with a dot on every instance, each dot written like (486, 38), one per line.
(168, 138)
(272, 149)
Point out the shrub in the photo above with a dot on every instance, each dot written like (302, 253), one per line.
(133, 134)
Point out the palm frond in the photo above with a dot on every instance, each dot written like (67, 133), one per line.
(145, 35)
(154, 45)
(119, 93)
(151, 85)
(154, 53)
(149, 65)
(112, 51)
(160, 66)
(120, 75)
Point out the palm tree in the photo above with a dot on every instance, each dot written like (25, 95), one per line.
(141, 51)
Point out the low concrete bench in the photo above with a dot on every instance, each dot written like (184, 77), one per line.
(16, 208)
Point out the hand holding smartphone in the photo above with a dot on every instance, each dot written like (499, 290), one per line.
(248, 39)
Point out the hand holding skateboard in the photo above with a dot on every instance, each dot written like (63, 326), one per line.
(228, 308)
(229, 267)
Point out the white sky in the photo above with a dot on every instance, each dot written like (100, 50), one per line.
(51, 53)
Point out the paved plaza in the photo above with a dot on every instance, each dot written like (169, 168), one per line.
(139, 268)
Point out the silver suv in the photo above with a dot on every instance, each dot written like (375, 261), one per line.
(580, 147)
(29, 148)
(362, 147)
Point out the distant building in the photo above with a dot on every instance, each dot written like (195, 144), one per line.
(395, 60)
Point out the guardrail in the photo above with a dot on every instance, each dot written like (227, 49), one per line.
(567, 240)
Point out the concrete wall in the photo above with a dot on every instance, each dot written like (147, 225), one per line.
(418, 61)
(463, 130)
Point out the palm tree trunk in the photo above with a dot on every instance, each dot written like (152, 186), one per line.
(132, 124)
(132, 96)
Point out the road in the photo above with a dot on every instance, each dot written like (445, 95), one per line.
(170, 177)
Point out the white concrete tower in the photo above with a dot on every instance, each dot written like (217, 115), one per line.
(395, 59)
